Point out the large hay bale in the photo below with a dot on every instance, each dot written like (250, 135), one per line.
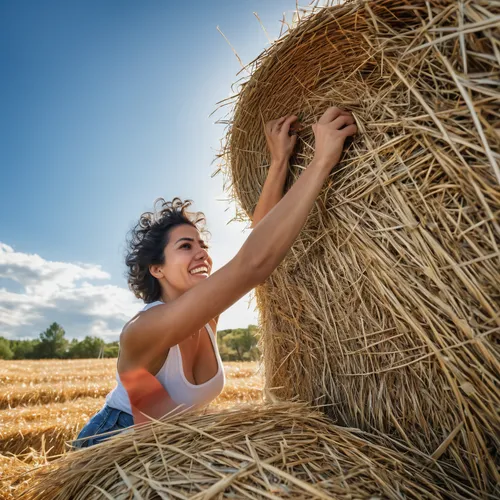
(387, 306)
(282, 451)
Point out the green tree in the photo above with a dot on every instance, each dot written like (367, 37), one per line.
(111, 350)
(24, 349)
(5, 350)
(244, 342)
(239, 344)
(89, 347)
(226, 353)
(52, 344)
(70, 348)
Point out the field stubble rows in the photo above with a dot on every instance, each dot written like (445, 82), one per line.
(43, 404)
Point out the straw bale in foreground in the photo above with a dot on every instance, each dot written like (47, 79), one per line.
(282, 451)
(387, 306)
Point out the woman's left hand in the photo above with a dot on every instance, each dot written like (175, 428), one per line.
(280, 140)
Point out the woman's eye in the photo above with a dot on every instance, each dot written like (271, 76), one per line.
(188, 245)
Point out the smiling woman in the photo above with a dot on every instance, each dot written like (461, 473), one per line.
(169, 360)
(151, 258)
(167, 256)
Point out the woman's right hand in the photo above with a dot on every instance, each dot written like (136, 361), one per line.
(330, 136)
(279, 140)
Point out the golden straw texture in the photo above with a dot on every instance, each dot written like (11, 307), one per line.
(52, 400)
(281, 451)
(386, 308)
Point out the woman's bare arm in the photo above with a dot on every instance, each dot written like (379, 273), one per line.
(272, 192)
(281, 145)
(164, 326)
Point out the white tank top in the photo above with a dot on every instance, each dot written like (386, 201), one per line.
(171, 376)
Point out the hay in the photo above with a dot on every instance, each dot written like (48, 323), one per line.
(38, 371)
(44, 427)
(13, 473)
(40, 437)
(387, 306)
(282, 451)
(46, 415)
(56, 392)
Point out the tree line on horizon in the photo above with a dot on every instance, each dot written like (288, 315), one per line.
(238, 344)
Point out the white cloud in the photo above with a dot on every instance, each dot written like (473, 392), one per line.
(62, 292)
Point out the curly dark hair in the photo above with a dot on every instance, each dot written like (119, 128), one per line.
(148, 239)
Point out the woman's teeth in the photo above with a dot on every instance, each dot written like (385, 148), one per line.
(200, 270)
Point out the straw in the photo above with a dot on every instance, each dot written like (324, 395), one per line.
(386, 308)
(281, 451)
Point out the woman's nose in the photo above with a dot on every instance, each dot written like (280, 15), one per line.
(203, 254)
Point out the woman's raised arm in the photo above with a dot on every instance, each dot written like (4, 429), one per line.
(164, 326)
(281, 144)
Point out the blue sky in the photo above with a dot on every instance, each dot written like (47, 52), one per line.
(105, 106)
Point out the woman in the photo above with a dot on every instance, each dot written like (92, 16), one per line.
(169, 360)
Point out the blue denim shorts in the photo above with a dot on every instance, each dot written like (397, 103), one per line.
(107, 420)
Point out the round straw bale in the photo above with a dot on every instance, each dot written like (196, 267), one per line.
(386, 308)
(282, 451)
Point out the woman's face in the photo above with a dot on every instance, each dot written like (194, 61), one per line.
(185, 252)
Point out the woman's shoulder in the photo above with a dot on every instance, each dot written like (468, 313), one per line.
(144, 308)
(212, 324)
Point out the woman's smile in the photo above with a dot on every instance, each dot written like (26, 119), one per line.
(200, 271)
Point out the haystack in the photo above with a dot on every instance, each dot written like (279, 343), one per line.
(282, 451)
(386, 309)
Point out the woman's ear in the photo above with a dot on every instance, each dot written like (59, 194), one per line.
(156, 271)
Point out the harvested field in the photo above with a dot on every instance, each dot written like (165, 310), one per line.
(55, 392)
(51, 400)
(40, 371)
(29, 380)
(45, 426)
